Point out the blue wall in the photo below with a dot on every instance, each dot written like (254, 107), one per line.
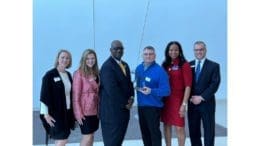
(69, 24)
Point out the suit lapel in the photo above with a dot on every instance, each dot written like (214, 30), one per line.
(126, 69)
(117, 67)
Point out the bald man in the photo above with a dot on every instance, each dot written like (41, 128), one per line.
(116, 96)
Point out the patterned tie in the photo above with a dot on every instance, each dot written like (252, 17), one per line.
(122, 68)
(197, 73)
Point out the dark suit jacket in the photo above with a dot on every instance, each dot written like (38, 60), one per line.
(208, 81)
(115, 90)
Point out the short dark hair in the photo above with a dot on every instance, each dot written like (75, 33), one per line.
(149, 48)
(200, 43)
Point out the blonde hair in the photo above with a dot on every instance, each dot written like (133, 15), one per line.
(58, 55)
(84, 69)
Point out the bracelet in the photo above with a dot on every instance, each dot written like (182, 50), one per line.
(184, 104)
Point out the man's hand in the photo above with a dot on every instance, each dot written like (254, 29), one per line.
(196, 99)
(130, 103)
(145, 90)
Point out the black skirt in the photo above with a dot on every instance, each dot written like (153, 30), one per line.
(61, 130)
(90, 124)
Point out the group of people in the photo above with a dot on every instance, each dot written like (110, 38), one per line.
(164, 92)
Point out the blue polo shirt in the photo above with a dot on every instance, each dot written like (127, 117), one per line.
(154, 77)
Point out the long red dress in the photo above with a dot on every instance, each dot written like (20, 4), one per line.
(179, 78)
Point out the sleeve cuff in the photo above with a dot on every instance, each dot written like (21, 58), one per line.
(44, 109)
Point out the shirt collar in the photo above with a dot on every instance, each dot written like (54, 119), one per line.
(117, 61)
(201, 61)
(147, 66)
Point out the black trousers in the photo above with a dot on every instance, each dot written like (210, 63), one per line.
(149, 120)
(114, 130)
(206, 114)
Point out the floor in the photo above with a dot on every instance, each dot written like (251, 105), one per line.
(133, 136)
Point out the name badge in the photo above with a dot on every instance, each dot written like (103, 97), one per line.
(175, 67)
(147, 79)
(56, 79)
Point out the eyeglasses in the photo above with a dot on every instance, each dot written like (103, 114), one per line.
(148, 54)
(196, 50)
(118, 48)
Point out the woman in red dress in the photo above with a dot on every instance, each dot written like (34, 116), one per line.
(180, 76)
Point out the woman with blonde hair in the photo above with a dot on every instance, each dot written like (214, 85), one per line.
(85, 96)
(56, 95)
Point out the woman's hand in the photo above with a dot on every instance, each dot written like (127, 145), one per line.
(49, 120)
(182, 110)
(80, 120)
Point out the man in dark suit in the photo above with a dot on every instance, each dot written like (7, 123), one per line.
(116, 96)
(202, 103)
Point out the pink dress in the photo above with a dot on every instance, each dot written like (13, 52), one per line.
(179, 79)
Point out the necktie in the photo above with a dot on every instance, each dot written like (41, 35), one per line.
(122, 68)
(197, 73)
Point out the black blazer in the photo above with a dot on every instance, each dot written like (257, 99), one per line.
(53, 95)
(115, 89)
(208, 81)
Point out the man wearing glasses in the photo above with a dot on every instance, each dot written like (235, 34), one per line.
(116, 96)
(152, 86)
(202, 105)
